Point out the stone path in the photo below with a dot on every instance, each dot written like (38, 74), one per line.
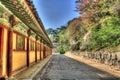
(61, 67)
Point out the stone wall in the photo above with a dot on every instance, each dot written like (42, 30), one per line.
(103, 56)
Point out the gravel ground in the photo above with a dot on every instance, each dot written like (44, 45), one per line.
(62, 67)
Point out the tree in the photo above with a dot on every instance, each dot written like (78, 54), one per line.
(50, 31)
(101, 18)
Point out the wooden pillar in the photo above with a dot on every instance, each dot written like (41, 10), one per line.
(9, 53)
(12, 21)
(27, 52)
(1, 41)
(28, 47)
(35, 51)
(40, 48)
(36, 48)
(50, 51)
(44, 51)
(47, 51)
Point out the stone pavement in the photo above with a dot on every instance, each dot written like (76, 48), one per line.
(30, 72)
(69, 67)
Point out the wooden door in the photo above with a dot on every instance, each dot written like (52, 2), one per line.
(0, 51)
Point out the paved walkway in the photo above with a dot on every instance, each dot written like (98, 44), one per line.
(62, 67)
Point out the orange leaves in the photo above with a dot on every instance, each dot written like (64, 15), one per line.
(87, 9)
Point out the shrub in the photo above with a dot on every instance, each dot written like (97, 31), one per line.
(62, 51)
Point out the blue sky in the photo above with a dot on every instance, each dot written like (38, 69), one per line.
(55, 13)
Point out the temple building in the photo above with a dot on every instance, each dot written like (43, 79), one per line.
(23, 39)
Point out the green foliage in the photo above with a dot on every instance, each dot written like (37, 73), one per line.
(62, 51)
(63, 38)
(50, 31)
(107, 35)
(53, 34)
